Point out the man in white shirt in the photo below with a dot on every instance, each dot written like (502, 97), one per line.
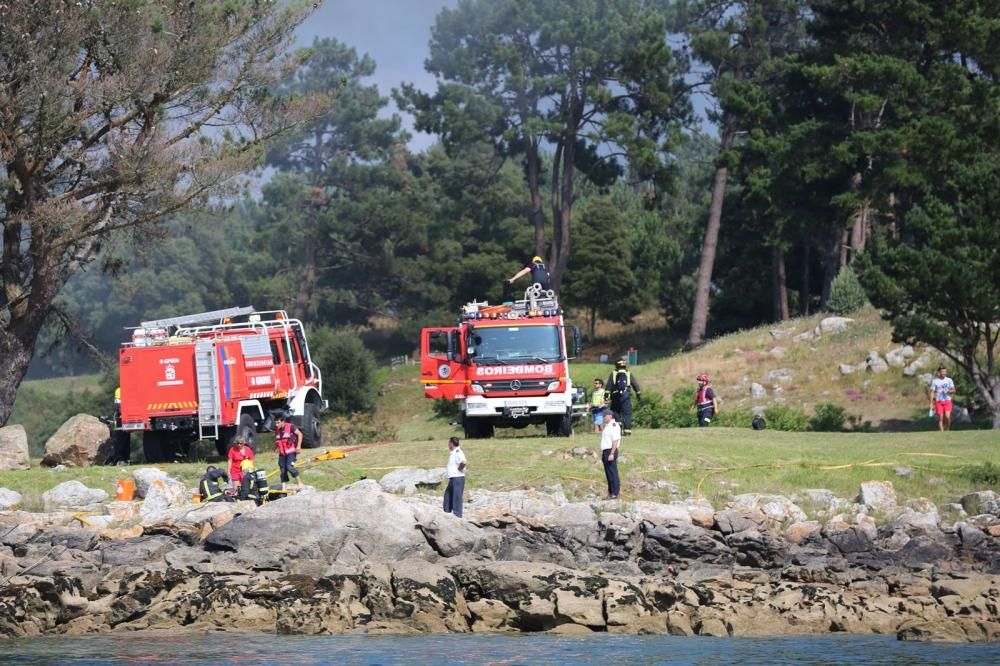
(611, 439)
(456, 478)
(942, 388)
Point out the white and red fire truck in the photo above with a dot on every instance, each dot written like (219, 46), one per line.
(217, 375)
(507, 365)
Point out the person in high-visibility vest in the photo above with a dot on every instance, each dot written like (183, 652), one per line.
(288, 441)
(209, 486)
(598, 404)
(620, 382)
(705, 402)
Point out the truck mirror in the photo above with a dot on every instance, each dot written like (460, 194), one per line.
(454, 348)
(577, 342)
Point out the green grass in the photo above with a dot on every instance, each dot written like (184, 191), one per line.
(716, 463)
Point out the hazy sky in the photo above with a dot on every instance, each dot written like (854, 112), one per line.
(393, 32)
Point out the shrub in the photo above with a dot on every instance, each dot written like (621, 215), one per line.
(449, 410)
(348, 370)
(733, 419)
(654, 412)
(780, 417)
(987, 473)
(356, 429)
(846, 293)
(828, 418)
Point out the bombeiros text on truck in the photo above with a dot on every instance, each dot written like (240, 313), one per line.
(217, 375)
(507, 365)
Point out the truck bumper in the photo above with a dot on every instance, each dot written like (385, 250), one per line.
(514, 408)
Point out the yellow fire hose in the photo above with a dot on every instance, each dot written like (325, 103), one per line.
(332, 454)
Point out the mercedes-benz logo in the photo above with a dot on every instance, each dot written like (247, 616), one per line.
(515, 384)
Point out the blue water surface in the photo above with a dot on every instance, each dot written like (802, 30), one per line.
(506, 650)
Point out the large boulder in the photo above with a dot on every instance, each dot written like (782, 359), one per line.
(984, 501)
(81, 441)
(9, 499)
(525, 505)
(897, 357)
(74, 496)
(757, 391)
(658, 514)
(834, 324)
(878, 496)
(357, 524)
(14, 448)
(161, 496)
(875, 363)
(406, 481)
(776, 508)
(781, 375)
(917, 365)
(145, 476)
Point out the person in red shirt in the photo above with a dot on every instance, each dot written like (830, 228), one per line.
(238, 452)
(288, 440)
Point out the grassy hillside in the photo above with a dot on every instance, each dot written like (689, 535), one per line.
(889, 400)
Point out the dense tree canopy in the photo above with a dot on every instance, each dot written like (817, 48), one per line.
(114, 116)
(839, 134)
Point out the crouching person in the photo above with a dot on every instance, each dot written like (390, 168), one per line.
(210, 488)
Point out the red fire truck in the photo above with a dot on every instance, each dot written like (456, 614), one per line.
(507, 365)
(217, 375)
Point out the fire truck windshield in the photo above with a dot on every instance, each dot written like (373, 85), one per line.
(516, 344)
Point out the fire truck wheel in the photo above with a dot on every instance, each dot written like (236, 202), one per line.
(248, 431)
(312, 434)
(477, 428)
(152, 446)
(566, 425)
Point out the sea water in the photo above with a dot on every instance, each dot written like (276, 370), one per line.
(508, 650)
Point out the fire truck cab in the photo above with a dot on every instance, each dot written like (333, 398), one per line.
(217, 375)
(507, 365)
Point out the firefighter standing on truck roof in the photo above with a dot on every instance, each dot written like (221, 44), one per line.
(539, 273)
(620, 381)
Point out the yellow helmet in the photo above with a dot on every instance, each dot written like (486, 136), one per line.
(246, 465)
(536, 260)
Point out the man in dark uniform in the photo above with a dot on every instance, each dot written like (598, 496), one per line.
(619, 383)
(209, 487)
(539, 273)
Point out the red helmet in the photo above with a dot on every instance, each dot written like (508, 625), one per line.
(703, 378)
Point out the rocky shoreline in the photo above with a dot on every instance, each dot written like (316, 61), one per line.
(363, 560)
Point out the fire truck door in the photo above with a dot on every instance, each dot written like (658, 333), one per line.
(441, 369)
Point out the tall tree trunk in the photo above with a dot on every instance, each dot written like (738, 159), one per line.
(805, 294)
(593, 323)
(565, 212)
(779, 284)
(307, 283)
(16, 352)
(859, 231)
(831, 264)
(537, 217)
(699, 316)
(844, 248)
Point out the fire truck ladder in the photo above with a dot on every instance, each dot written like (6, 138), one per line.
(207, 374)
(214, 315)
